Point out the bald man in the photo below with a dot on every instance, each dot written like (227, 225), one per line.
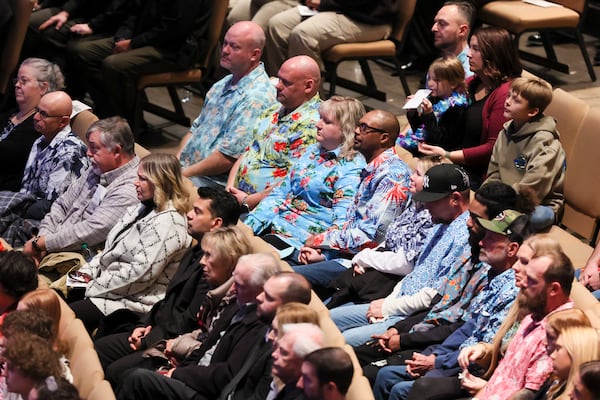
(281, 135)
(56, 159)
(231, 109)
(380, 198)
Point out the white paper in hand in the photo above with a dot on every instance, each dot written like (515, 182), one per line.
(417, 99)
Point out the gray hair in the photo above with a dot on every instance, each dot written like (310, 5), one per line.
(114, 131)
(307, 337)
(46, 71)
(264, 266)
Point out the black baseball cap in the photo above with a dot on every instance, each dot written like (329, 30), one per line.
(442, 180)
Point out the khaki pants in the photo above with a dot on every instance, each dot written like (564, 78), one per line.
(288, 35)
(258, 11)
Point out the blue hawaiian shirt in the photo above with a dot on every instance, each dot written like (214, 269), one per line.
(51, 168)
(381, 197)
(228, 117)
(314, 195)
(279, 140)
(409, 230)
(445, 247)
(490, 307)
(466, 280)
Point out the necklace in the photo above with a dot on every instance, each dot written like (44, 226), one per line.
(16, 120)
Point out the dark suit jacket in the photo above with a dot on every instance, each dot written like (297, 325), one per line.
(176, 313)
(228, 358)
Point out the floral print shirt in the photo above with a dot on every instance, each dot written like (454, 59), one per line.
(380, 198)
(228, 117)
(51, 168)
(439, 106)
(279, 140)
(314, 195)
(526, 363)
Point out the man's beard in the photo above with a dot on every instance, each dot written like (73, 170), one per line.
(474, 239)
(535, 305)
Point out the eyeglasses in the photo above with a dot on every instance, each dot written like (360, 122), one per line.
(23, 81)
(45, 115)
(364, 128)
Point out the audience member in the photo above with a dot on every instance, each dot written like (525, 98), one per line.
(56, 159)
(585, 386)
(281, 134)
(231, 109)
(283, 300)
(47, 301)
(373, 273)
(502, 237)
(259, 11)
(206, 380)
(319, 187)
(451, 30)
(288, 354)
(170, 316)
(380, 197)
(528, 153)
(446, 196)
(18, 276)
(93, 204)
(436, 119)
(290, 33)
(526, 364)
(590, 274)
(35, 78)
(147, 40)
(494, 61)
(28, 362)
(466, 287)
(143, 249)
(222, 248)
(326, 374)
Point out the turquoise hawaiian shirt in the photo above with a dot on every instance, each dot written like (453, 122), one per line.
(314, 196)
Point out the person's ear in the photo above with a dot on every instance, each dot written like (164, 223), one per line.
(217, 223)
(533, 112)
(512, 249)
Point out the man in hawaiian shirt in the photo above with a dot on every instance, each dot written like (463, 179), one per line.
(281, 135)
(231, 108)
(380, 198)
(480, 322)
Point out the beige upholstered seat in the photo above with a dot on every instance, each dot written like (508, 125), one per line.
(179, 78)
(389, 48)
(519, 17)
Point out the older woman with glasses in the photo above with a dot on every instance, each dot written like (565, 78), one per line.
(35, 78)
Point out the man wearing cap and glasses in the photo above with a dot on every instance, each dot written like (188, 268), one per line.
(500, 244)
(380, 198)
(446, 195)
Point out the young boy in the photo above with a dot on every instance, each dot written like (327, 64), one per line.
(528, 153)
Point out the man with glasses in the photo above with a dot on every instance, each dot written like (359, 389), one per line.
(56, 159)
(380, 198)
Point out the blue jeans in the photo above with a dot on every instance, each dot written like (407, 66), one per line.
(393, 383)
(352, 321)
(321, 273)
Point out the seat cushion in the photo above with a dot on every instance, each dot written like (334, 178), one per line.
(518, 17)
(349, 51)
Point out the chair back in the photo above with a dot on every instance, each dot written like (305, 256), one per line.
(215, 28)
(12, 43)
(568, 111)
(405, 14)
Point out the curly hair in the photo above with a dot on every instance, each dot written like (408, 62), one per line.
(32, 357)
(46, 72)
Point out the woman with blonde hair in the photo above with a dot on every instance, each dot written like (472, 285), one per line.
(320, 186)
(143, 250)
(574, 346)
